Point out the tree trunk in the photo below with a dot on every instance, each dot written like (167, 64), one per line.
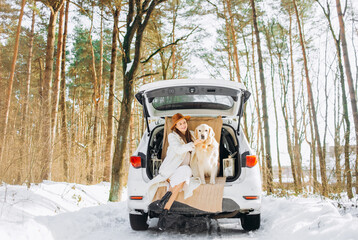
(11, 82)
(175, 13)
(313, 148)
(337, 154)
(56, 83)
(135, 26)
(352, 92)
(295, 158)
(234, 42)
(261, 150)
(269, 46)
(98, 99)
(95, 100)
(296, 144)
(46, 103)
(324, 143)
(288, 136)
(289, 148)
(313, 110)
(24, 129)
(337, 136)
(41, 81)
(73, 123)
(246, 128)
(109, 141)
(264, 104)
(119, 158)
(100, 75)
(345, 116)
(46, 158)
(64, 133)
(228, 46)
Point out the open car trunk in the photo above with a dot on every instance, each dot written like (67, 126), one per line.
(228, 147)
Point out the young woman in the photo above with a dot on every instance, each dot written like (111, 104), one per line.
(175, 167)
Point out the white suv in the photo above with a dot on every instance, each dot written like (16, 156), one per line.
(197, 98)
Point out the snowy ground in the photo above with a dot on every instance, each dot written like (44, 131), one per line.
(72, 211)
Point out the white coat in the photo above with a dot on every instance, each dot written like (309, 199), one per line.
(176, 152)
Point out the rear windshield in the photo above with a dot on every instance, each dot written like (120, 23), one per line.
(193, 102)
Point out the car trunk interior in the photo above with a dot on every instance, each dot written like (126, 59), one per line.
(228, 146)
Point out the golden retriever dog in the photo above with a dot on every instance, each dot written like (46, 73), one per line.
(205, 160)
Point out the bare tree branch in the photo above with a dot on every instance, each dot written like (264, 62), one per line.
(168, 45)
(148, 74)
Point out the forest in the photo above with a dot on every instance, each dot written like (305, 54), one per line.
(69, 70)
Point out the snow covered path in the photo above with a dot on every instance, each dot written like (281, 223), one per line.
(72, 211)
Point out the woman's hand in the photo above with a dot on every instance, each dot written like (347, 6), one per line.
(197, 141)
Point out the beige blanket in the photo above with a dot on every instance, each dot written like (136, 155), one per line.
(207, 197)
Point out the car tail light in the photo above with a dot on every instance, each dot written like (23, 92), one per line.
(136, 161)
(136, 197)
(251, 197)
(251, 160)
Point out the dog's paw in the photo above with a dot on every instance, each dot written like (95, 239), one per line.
(203, 181)
(212, 182)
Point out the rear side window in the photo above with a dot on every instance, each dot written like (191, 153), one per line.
(219, 102)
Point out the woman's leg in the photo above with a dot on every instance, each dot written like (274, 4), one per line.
(175, 191)
(164, 217)
(165, 198)
(177, 180)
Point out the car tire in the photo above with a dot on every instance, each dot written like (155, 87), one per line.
(250, 222)
(139, 221)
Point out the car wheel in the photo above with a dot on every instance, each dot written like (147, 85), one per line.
(250, 222)
(138, 221)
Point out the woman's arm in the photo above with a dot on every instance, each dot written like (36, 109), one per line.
(177, 146)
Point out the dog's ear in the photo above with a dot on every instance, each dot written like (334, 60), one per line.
(211, 132)
(196, 133)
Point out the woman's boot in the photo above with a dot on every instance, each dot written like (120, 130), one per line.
(164, 200)
(162, 222)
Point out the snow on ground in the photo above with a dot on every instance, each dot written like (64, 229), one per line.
(59, 211)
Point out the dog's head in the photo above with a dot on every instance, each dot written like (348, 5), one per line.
(204, 132)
